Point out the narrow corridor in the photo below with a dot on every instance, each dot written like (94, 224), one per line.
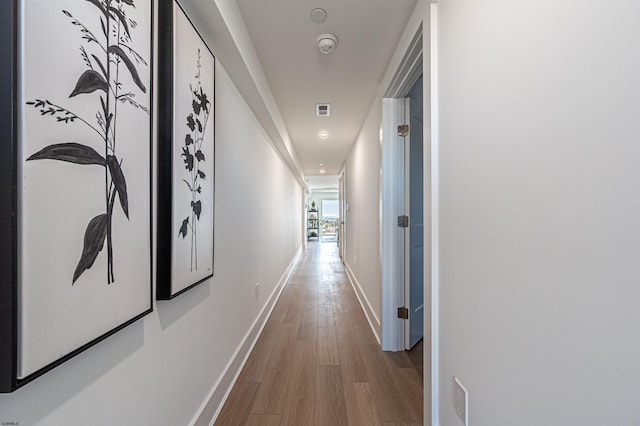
(317, 361)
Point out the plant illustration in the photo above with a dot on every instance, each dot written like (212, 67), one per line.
(193, 160)
(111, 61)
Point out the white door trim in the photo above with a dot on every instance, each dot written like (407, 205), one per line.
(392, 206)
(392, 203)
(407, 235)
(434, 208)
(409, 68)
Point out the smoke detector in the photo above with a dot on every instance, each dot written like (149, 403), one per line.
(326, 43)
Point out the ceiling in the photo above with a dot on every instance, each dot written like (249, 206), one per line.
(323, 183)
(284, 37)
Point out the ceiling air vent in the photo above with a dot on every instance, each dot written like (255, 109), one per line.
(323, 110)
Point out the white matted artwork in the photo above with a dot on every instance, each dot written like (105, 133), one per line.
(186, 159)
(83, 172)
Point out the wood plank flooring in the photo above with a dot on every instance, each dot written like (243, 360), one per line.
(318, 363)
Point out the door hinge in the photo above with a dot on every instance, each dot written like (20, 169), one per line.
(403, 221)
(403, 130)
(403, 313)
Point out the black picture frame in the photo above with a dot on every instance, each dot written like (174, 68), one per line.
(11, 168)
(169, 158)
(8, 198)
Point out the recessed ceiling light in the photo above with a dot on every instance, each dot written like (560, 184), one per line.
(323, 134)
(318, 15)
(320, 164)
(322, 171)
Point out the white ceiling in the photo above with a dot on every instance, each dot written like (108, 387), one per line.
(323, 182)
(284, 37)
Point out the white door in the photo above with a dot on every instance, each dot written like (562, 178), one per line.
(414, 190)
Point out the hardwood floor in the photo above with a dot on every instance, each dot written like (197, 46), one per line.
(318, 363)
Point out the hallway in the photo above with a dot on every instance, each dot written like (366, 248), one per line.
(318, 363)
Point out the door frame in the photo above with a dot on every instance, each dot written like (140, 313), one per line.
(342, 190)
(393, 193)
(392, 244)
(424, 44)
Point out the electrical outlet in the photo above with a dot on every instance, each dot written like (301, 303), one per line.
(460, 401)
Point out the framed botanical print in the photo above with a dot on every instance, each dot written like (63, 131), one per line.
(185, 154)
(75, 193)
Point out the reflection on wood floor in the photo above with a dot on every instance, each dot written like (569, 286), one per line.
(318, 363)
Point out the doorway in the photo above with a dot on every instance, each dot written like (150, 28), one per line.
(329, 212)
(406, 71)
(414, 206)
(341, 216)
(398, 222)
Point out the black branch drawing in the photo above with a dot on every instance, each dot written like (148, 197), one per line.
(193, 160)
(111, 62)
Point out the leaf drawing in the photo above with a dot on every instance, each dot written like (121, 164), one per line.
(188, 158)
(106, 52)
(93, 242)
(183, 228)
(197, 208)
(194, 158)
(118, 180)
(70, 152)
(122, 18)
(130, 66)
(89, 82)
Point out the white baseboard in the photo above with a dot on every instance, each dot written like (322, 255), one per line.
(211, 406)
(372, 318)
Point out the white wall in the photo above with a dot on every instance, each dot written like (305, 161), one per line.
(362, 257)
(161, 369)
(540, 211)
(318, 196)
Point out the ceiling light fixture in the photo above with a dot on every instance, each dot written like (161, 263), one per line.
(323, 134)
(318, 15)
(327, 43)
